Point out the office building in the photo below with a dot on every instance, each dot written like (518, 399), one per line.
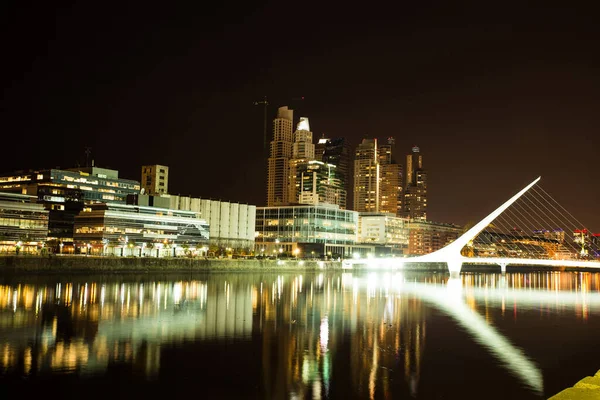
(320, 147)
(129, 230)
(337, 152)
(155, 179)
(384, 229)
(415, 192)
(366, 177)
(23, 224)
(279, 158)
(426, 237)
(306, 231)
(65, 192)
(317, 182)
(390, 174)
(231, 225)
(377, 178)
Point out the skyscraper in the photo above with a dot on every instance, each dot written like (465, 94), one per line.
(390, 174)
(366, 176)
(317, 183)
(320, 147)
(279, 158)
(155, 179)
(303, 151)
(337, 152)
(415, 193)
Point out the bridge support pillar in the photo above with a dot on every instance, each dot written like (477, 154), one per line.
(454, 267)
(503, 268)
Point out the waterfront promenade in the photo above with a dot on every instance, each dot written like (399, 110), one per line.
(83, 264)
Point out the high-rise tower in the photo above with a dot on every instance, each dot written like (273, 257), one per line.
(415, 192)
(390, 174)
(366, 176)
(303, 151)
(336, 151)
(279, 158)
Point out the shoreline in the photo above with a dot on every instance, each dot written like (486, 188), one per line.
(25, 264)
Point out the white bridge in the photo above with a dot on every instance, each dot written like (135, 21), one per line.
(452, 253)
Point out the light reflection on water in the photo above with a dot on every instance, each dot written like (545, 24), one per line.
(309, 335)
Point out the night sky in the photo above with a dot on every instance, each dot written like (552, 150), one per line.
(493, 95)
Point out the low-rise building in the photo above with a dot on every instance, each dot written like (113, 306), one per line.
(384, 229)
(426, 236)
(307, 231)
(23, 224)
(129, 230)
(232, 225)
(64, 192)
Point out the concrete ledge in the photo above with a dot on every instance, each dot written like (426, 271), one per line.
(66, 264)
(586, 389)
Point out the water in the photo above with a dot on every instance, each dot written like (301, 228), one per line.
(291, 335)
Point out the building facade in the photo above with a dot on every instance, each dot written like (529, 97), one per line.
(231, 225)
(337, 152)
(366, 177)
(415, 193)
(390, 185)
(129, 230)
(384, 229)
(65, 192)
(317, 183)
(303, 151)
(279, 158)
(23, 224)
(155, 179)
(291, 230)
(426, 237)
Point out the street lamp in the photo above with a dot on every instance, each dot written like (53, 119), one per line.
(60, 246)
(89, 246)
(296, 252)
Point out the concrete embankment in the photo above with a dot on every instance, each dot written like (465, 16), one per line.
(82, 264)
(587, 388)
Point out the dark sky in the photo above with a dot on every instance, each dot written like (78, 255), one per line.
(494, 95)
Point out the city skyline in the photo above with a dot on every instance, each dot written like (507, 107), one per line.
(493, 103)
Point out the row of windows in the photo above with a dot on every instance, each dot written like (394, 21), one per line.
(24, 223)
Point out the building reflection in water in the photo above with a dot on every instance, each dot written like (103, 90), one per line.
(367, 330)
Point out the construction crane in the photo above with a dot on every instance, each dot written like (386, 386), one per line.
(264, 103)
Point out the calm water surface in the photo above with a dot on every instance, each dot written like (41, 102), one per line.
(292, 335)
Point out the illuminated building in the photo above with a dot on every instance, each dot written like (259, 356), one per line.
(23, 223)
(232, 225)
(120, 229)
(337, 152)
(426, 237)
(279, 158)
(517, 244)
(320, 147)
(155, 179)
(588, 243)
(390, 174)
(303, 151)
(366, 177)
(384, 229)
(317, 183)
(377, 178)
(64, 192)
(293, 230)
(415, 192)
